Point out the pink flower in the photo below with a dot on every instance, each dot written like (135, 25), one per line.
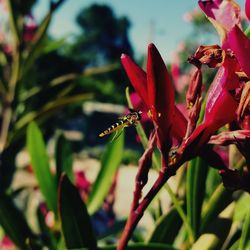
(30, 28)
(240, 45)
(226, 13)
(220, 106)
(247, 9)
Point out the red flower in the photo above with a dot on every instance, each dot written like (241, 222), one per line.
(157, 93)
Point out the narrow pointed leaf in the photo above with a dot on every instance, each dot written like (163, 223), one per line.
(13, 222)
(41, 166)
(245, 235)
(37, 47)
(166, 228)
(220, 199)
(136, 246)
(196, 182)
(110, 162)
(50, 107)
(143, 246)
(214, 236)
(64, 158)
(76, 223)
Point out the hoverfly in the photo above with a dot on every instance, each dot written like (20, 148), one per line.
(128, 120)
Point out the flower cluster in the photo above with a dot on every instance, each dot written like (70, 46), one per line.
(227, 101)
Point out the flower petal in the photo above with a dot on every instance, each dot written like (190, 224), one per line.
(247, 9)
(160, 89)
(226, 12)
(179, 127)
(240, 45)
(137, 77)
(221, 106)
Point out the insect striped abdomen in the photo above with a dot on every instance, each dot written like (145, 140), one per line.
(113, 128)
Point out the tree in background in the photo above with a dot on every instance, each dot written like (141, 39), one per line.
(103, 38)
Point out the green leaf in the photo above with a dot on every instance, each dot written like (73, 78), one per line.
(76, 223)
(241, 209)
(36, 47)
(235, 245)
(64, 158)
(220, 199)
(50, 106)
(110, 162)
(41, 166)
(166, 228)
(196, 182)
(44, 113)
(214, 236)
(247, 32)
(54, 45)
(137, 246)
(245, 235)
(13, 222)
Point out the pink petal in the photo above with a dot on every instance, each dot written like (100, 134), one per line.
(226, 12)
(240, 45)
(137, 77)
(247, 9)
(221, 107)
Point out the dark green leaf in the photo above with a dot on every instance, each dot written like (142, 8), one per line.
(13, 222)
(7, 167)
(110, 161)
(41, 166)
(36, 48)
(214, 236)
(166, 228)
(220, 199)
(137, 246)
(196, 180)
(64, 158)
(76, 223)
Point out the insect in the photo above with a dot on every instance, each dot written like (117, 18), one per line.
(125, 121)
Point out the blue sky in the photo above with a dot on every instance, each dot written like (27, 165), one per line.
(166, 16)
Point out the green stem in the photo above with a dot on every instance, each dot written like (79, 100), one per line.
(7, 109)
